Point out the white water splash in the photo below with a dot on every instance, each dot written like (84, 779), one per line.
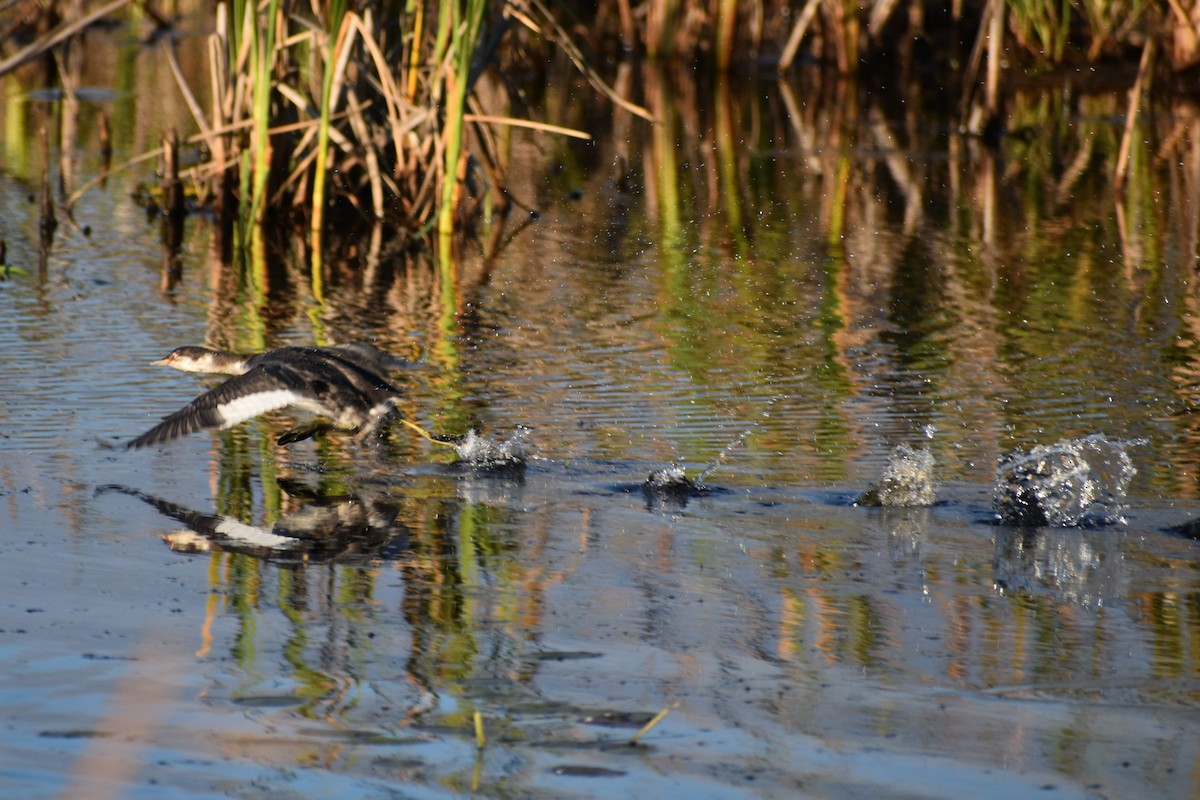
(907, 480)
(669, 479)
(487, 452)
(1074, 482)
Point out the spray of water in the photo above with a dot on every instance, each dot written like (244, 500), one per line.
(1075, 482)
(669, 479)
(737, 441)
(486, 452)
(674, 479)
(907, 480)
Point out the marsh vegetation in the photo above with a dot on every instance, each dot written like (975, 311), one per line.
(315, 118)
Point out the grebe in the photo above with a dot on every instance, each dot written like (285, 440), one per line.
(343, 384)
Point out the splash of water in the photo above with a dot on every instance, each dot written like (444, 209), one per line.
(907, 480)
(486, 452)
(673, 479)
(1072, 483)
(669, 479)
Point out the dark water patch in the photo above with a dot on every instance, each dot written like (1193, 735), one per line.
(91, 94)
(356, 736)
(664, 489)
(617, 719)
(536, 709)
(586, 771)
(1171, 694)
(106, 657)
(74, 734)
(563, 655)
(267, 701)
(602, 744)
(398, 763)
(1186, 530)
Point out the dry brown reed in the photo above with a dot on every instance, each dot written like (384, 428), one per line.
(328, 113)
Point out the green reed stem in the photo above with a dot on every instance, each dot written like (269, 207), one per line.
(468, 22)
(336, 35)
(262, 52)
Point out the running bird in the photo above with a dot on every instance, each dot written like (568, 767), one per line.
(345, 385)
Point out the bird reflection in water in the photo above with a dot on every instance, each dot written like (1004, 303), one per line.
(342, 528)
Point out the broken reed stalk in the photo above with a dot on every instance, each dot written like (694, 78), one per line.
(480, 737)
(726, 27)
(64, 31)
(172, 187)
(414, 10)
(657, 718)
(995, 48)
(1131, 114)
(104, 136)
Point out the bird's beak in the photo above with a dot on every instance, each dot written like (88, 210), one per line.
(162, 362)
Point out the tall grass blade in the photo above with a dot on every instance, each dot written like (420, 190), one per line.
(337, 22)
(465, 37)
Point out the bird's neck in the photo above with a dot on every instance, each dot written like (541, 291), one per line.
(225, 363)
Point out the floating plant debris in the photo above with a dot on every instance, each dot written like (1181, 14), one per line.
(907, 481)
(1075, 482)
(74, 733)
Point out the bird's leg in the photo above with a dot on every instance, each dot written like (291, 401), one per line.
(449, 441)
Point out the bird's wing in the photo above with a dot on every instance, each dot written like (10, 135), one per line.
(368, 355)
(264, 388)
(365, 377)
